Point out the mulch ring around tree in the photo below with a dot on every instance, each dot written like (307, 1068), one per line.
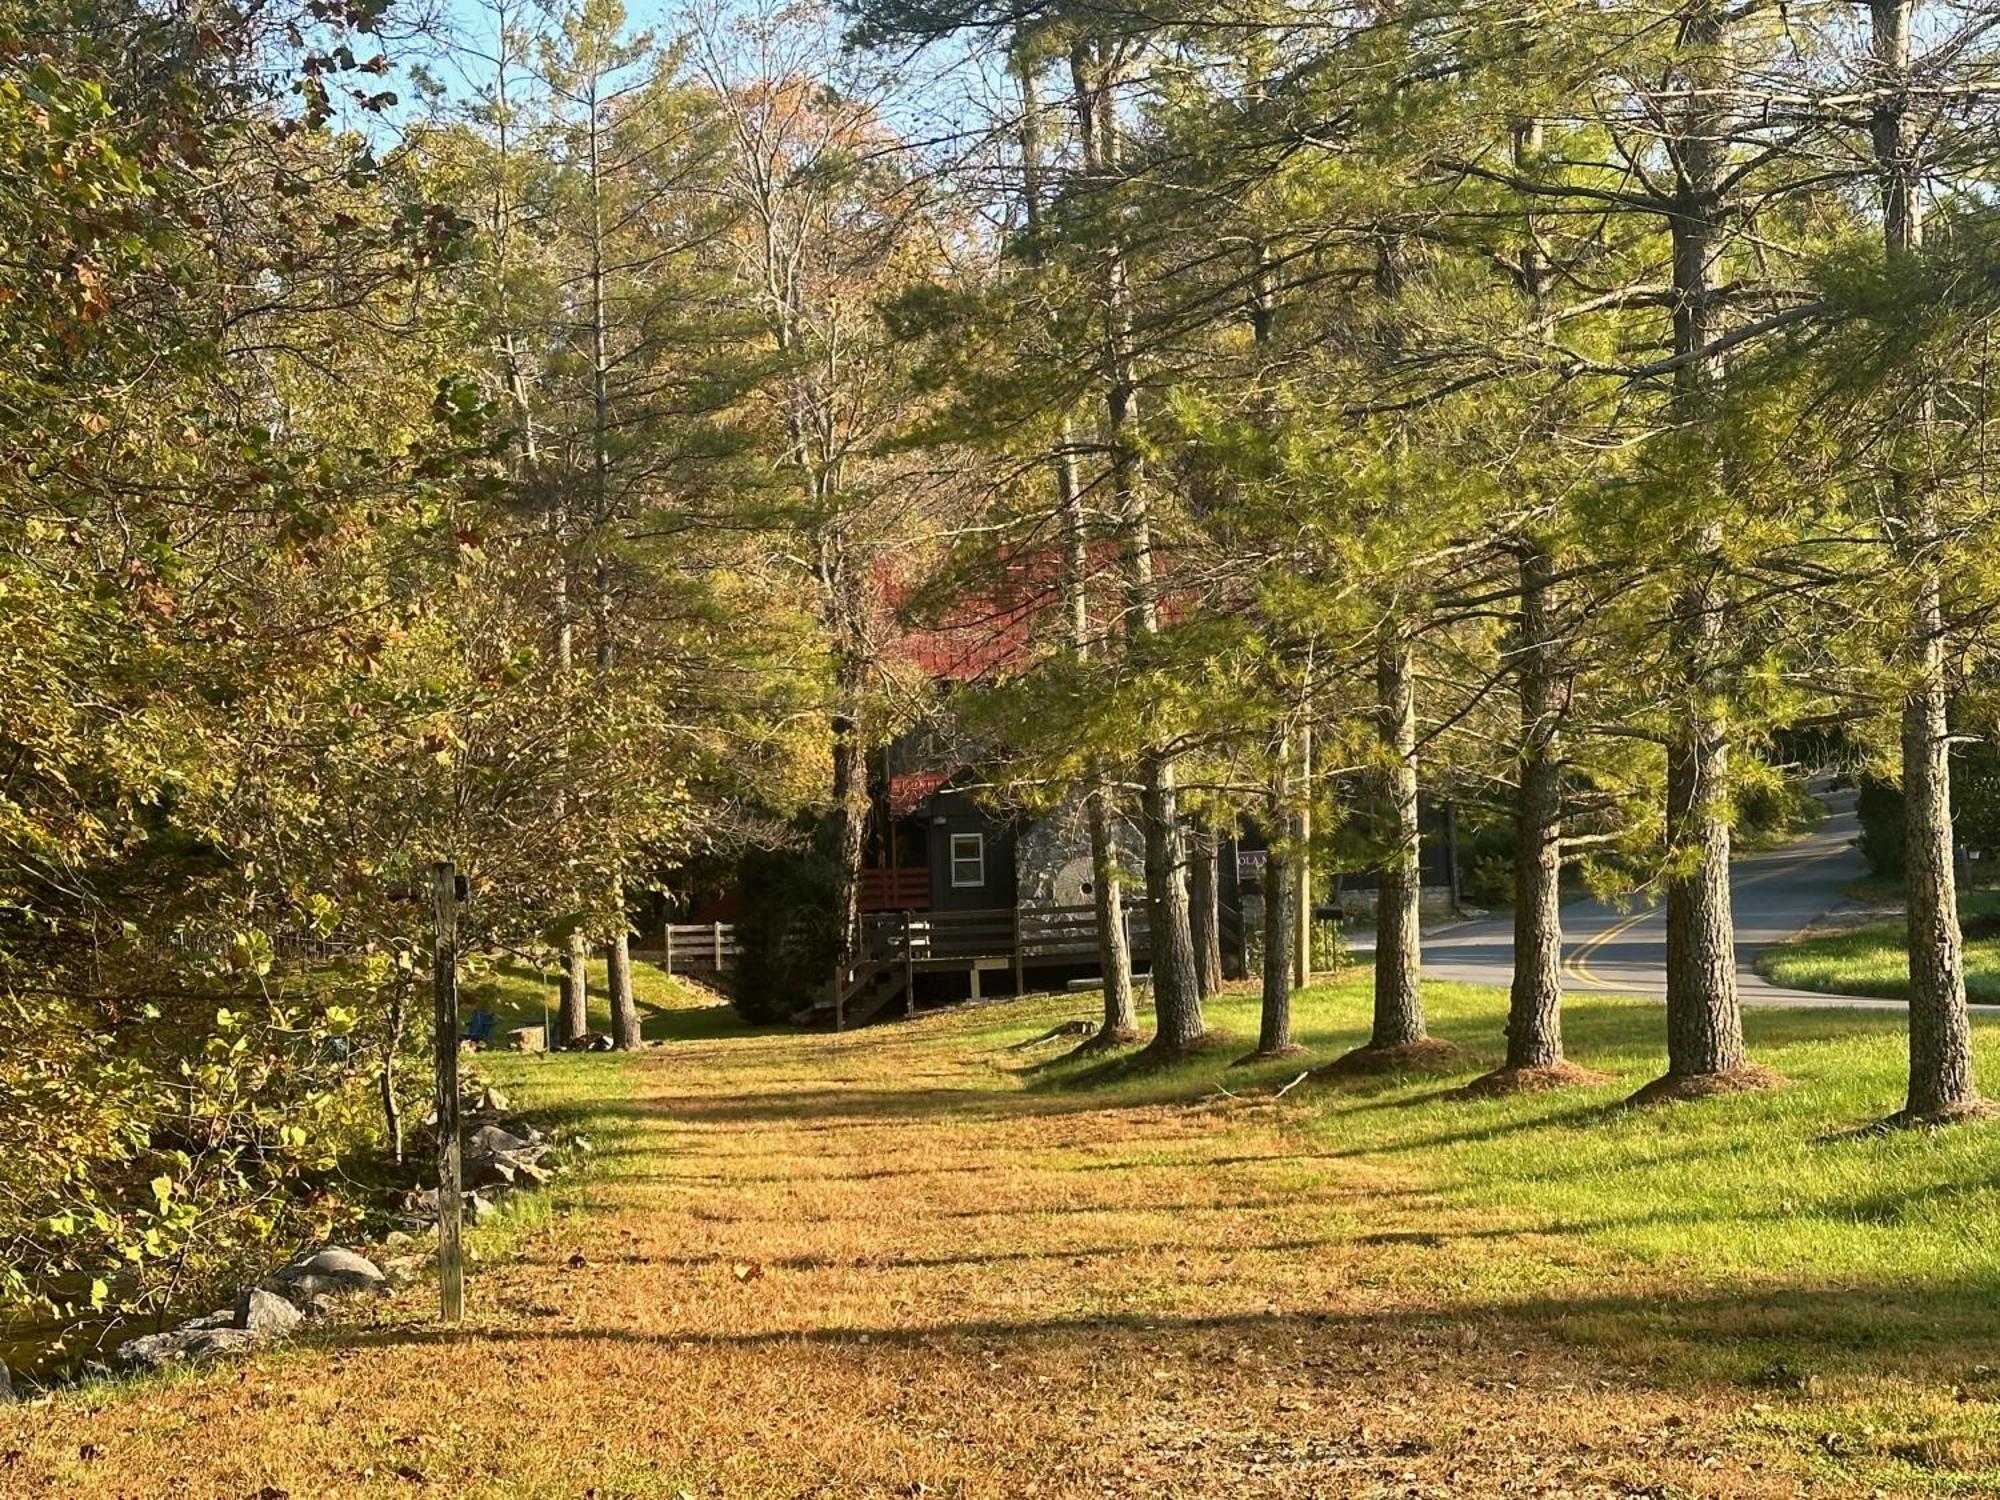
(1505, 1082)
(1677, 1088)
(1431, 1055)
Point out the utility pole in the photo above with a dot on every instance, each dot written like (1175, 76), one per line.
(445, 896)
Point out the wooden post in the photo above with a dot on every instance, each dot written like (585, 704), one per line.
(667, 947)
(1020, 976)
(909, 968)
(451, 1253)
(718, 947)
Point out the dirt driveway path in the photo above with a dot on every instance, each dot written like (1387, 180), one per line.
(880, 1267)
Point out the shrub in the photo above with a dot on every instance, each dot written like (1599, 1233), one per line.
(788, 936)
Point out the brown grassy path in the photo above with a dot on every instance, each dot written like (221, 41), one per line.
(878, 1266)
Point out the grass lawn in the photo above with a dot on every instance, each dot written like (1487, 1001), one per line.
(926, 1260)
(1870, 960)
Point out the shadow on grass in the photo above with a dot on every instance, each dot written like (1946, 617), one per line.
(1650, 1338)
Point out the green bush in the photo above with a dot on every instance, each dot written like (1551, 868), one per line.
(160, 1145)
(788, 935)
(1879, 807)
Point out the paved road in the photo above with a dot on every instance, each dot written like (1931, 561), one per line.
(1607, 950)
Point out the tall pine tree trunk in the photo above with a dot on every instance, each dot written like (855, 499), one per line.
(618, 957)
(1704, 1020)
(1176, 999)
(1399, 1002)
(1302, 866)
(1274, 1029)
(1205, 898)
(848, 815)
(1534, 1005)
(1121, 1019)
(1176, 993)
(1941, 1077)
(1114, 958)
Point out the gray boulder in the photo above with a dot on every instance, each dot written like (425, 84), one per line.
(326, 1273)
(490, 1140)
(220, 1341)
(495, 1170)
(265, 1313)
(6, 1385)
(506, 1169)
(479, 1208)
(153, 1350)
(338, 1269)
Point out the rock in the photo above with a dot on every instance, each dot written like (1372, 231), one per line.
(479, 1208)
(265, 1313)
(490, 1140)
(490, 1171)
(528, 1039)
(404, 1269)
(218, 1341)
(506, 1169)
(152, 1351)
(338, 1269)
(530, 1173)
(493, 1102)
(6, 1385)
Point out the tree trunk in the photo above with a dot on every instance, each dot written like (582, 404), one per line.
(1176, 995)
(1302, 867)
(392, 1109)
(1704, 1021)
(1941, 1076)
(1534, 1006)
(1176, 1000)
(1113, 956)
(1205, 896)
(850, 810)
(618, 958)
(1121, 1020)
(618, 986)
(1399, 1002)
(575, 1013)
(1274, 1029)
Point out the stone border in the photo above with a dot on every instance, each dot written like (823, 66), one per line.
(505, 1154)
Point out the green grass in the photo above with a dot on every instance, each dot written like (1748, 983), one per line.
(669, 1007)
(1841, 1283)
(1814, 1294)
(1765, 1204)
(1870, 960)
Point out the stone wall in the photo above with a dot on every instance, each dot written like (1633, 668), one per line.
(1052, 857)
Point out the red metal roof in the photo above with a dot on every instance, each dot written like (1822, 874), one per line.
(908, 788)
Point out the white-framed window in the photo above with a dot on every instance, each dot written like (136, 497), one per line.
(968, 859)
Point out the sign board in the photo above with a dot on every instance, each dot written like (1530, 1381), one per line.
(1250, 864)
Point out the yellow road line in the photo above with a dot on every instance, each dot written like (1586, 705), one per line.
(1578, 966)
